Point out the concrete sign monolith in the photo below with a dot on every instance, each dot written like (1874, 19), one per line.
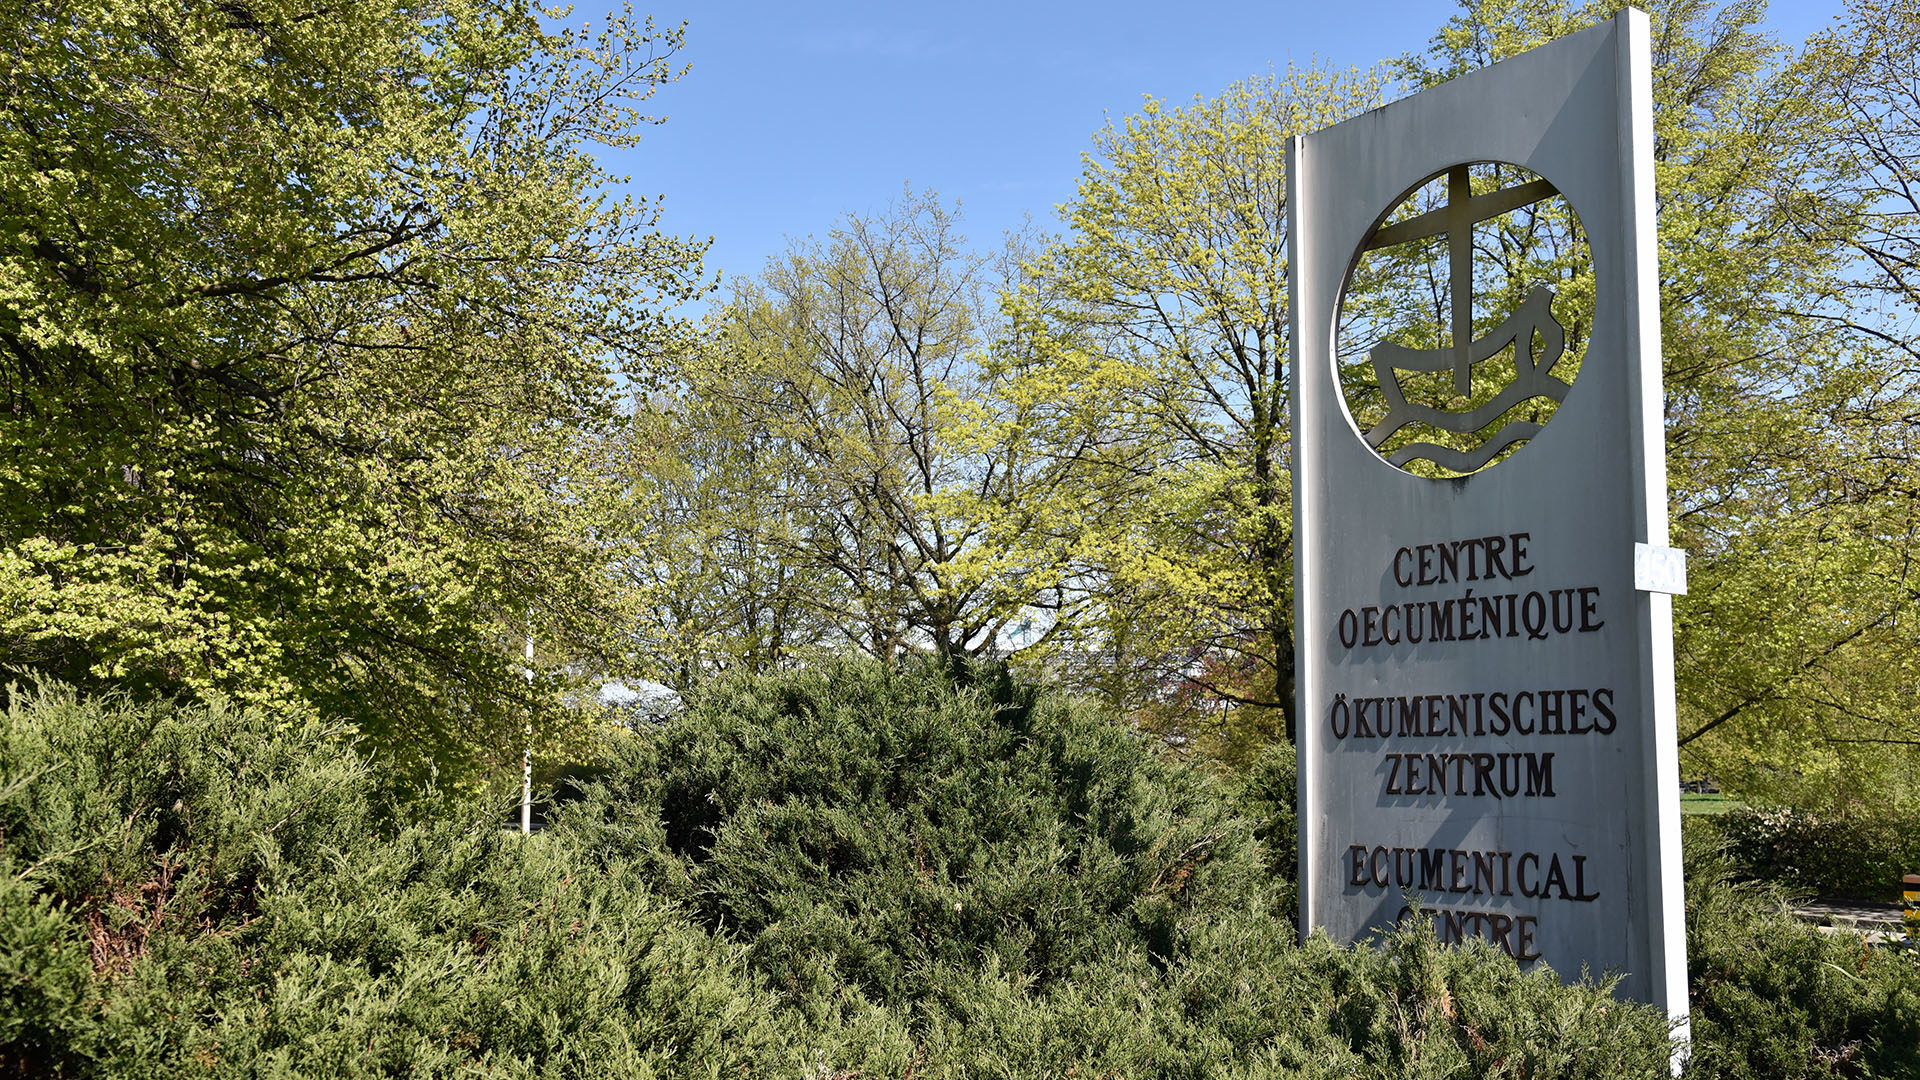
(1484, 618)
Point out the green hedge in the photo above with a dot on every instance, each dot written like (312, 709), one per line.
(1857, 856)
(852, 871)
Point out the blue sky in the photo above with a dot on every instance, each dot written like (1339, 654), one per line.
(796, 114)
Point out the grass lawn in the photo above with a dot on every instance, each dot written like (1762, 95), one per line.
(1705, 804)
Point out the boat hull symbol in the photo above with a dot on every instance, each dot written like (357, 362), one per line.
(1533, 378)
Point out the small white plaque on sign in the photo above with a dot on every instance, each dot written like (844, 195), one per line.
(1659, 569)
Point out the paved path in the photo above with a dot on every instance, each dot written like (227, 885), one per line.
(1877, 922)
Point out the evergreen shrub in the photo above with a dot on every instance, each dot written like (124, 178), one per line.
(941, 875)
(884, 828)
(1774, 997)
(850, 871)
(209, 893)
(1267, 793)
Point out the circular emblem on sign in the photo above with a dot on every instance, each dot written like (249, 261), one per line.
(1464, 319)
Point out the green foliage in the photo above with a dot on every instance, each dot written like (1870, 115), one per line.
(860, 825)
(1152, 342)
(766, 888)
(1019, 882)
(1862, 855)
(1261, 1007)
(1268, 793)
(1790, 432)
(202, 893)
(837, 468)
(1774, 997)
(307, 321)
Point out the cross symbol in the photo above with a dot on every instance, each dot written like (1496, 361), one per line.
(1456, 220)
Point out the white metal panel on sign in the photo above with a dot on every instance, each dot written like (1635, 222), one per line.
(1485, 673)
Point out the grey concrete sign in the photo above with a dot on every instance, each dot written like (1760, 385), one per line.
(1484, 615)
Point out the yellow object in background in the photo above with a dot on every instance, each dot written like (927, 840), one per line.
(1910, 901)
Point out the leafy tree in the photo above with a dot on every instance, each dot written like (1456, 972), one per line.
(711, 566)
(1870, 67)
(872, 470)
(304, 315)
(1832, 701)
(1160, 324)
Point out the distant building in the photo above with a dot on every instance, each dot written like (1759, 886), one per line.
(648, 701)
